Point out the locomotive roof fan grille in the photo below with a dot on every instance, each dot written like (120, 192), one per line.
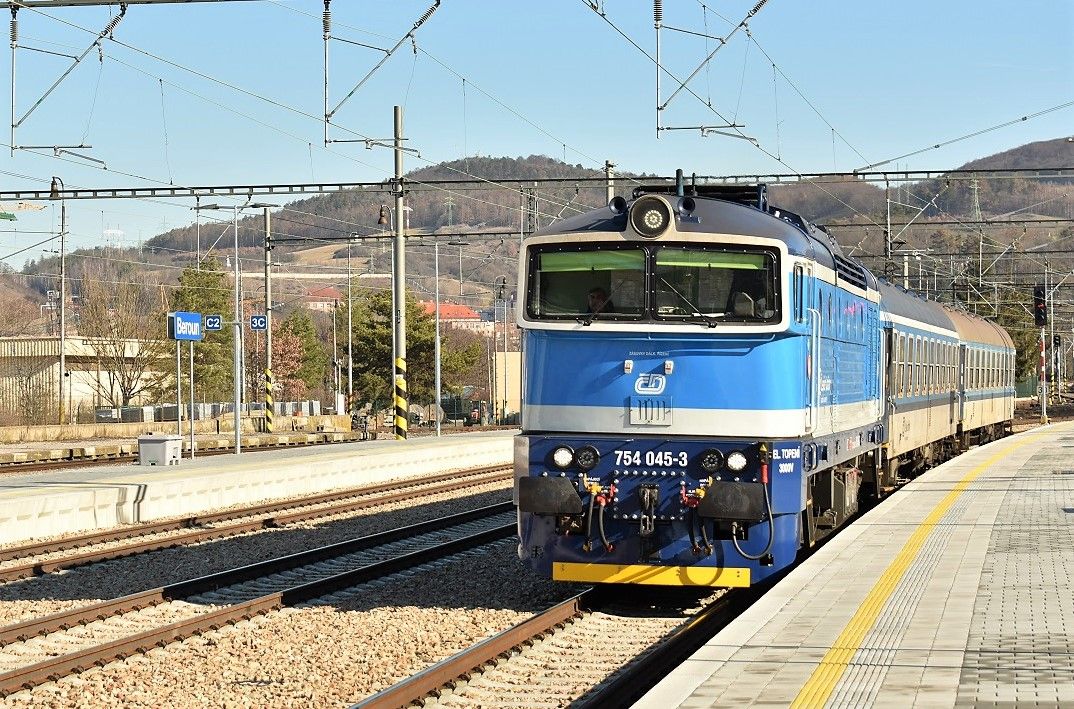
(650, 216)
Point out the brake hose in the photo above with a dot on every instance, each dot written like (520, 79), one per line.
(600, 525)
(771, 533)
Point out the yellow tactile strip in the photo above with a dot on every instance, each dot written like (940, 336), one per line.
(820, 685)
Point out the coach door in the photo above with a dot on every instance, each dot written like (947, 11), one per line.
(963, 355)
(950, 379)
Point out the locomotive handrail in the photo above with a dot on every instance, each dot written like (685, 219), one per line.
(814, 374)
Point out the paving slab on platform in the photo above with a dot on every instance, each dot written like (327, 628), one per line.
(34, 505)
(957, 591)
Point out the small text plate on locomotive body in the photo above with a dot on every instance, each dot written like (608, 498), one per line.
(650, 410)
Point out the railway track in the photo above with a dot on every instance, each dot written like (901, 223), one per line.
(593, 650)
(23, 561)
(45, 649)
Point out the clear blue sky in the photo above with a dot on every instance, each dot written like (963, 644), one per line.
(547, 78)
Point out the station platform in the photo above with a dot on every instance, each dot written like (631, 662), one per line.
(42, 504)
(956, 591)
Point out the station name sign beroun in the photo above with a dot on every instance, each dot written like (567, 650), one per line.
(184, 326)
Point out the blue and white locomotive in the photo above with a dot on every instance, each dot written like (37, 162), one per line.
(710, 385)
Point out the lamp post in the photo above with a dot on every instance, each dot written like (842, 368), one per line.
(54, 193)
(236, 348)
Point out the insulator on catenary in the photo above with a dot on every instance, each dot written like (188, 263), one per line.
(326, 18)
(658, 11)
(427, 15)
(757, 7)
(14, 28)
(114, 22)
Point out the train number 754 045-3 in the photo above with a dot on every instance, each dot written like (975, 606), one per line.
(663, 459)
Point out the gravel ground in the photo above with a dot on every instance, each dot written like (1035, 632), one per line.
(36, 597)
(327, 655)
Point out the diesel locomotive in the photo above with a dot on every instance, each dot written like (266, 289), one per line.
(711, 384)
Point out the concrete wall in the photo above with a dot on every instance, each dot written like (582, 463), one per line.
(132, 494)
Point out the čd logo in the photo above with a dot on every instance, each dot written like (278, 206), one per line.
(650, 384)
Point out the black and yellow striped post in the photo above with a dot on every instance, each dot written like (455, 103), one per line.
(401, 418)
(268, 401)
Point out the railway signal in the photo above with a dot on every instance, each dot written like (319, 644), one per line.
(1040, 307)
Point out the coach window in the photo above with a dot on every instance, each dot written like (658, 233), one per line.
(904, 380)
(897, 389)
(928, 367)
(912, 366)
(561, 280)
(916, 389)
(933, 380)
(907, 358)
(954, 366)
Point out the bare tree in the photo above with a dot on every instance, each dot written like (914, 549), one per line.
(125, 327)
(21, 316)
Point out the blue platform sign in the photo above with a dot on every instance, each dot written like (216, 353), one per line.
(184, 326)
(214, 323)
(258, 323)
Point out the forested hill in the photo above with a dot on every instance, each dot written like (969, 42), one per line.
(498, 205)
(493, 207)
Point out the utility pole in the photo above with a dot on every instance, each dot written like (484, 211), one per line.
(436, 341)
(63, 309)
(236, 348)
(197, 235)
(268, 324)
(888, 266)
(399, 288)
(350, 329)
(609, 176)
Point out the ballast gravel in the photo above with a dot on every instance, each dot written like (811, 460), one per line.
(39, 596)
(329, 654)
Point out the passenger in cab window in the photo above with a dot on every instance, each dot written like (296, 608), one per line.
(599, 302)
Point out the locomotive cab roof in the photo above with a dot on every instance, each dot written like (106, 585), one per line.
(729, 209)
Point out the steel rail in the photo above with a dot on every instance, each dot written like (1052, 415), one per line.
(431, 679)
(15, 552)
(54, 668)
(265, 520)
(626, 685)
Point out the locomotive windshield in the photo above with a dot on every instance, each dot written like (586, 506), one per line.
(664, 283)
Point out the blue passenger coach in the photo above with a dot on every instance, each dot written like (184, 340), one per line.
(704, 389)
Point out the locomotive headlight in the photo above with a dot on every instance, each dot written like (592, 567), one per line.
(736, 461)
(587, 458)
(650, 216)
(711, 460)
(562, 457)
